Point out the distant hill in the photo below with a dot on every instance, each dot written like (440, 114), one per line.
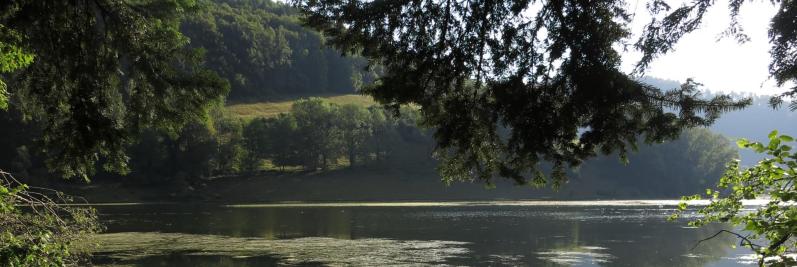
(753, 123)
(272, 109)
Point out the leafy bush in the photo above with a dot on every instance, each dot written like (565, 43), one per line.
(37, 229)
(771, 180)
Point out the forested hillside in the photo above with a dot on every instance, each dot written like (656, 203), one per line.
(688, 165)
(262, 49)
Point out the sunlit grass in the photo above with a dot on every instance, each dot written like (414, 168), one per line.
(272, 109)
(267, 165)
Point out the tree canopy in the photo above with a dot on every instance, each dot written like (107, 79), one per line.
(546, 71)
(263, 50)
(102, 71)
(12, 58)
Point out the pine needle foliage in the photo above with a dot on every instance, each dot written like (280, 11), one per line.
(104, 70)
(508, 84)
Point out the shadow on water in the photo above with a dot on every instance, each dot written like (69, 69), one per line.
(204, 235)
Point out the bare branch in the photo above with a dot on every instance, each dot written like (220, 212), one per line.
(744, 240)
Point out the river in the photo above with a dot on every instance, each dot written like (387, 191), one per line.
(500, 233)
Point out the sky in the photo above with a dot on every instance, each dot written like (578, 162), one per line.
(723, 65)
(720, 65)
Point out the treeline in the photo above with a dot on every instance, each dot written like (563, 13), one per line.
(315, 135)
(688, 165)
(262, 49)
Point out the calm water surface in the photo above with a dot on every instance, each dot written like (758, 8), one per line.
(416, 234)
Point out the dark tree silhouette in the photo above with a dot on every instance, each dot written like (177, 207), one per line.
(102, 71)
(547, 71)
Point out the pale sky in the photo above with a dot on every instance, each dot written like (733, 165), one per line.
(723, 65)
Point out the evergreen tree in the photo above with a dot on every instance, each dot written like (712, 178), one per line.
(102, 71)
(547, 71)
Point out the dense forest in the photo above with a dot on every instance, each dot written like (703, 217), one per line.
(262, 49)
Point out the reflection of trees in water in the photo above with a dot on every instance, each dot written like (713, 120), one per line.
(651, 242)
(268, 223)
(633, 236)
(669, 245)
(144, 247)
(571, 251)
(182, 259)
(334, 223)
(278, 223)
(714, 248)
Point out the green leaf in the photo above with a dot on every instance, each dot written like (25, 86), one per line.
(742, 143)
(773, 134)
(757, 147)
(786, 138)
(3, 96)
(773, 144)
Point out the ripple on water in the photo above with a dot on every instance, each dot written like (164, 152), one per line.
(752, 259)
(507, 260)
(609, 214)
(577, 255)
(330, 251)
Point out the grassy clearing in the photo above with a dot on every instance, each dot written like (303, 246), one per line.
(272, 109)
(337, 164)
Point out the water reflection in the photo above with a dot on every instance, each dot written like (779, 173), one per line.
(577, 256)
(135, 247)
(500, 235)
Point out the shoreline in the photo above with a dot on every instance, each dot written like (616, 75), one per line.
(443, 203)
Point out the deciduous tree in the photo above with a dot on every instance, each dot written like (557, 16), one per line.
(771, 180)
(319, 136)
(355, 129)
